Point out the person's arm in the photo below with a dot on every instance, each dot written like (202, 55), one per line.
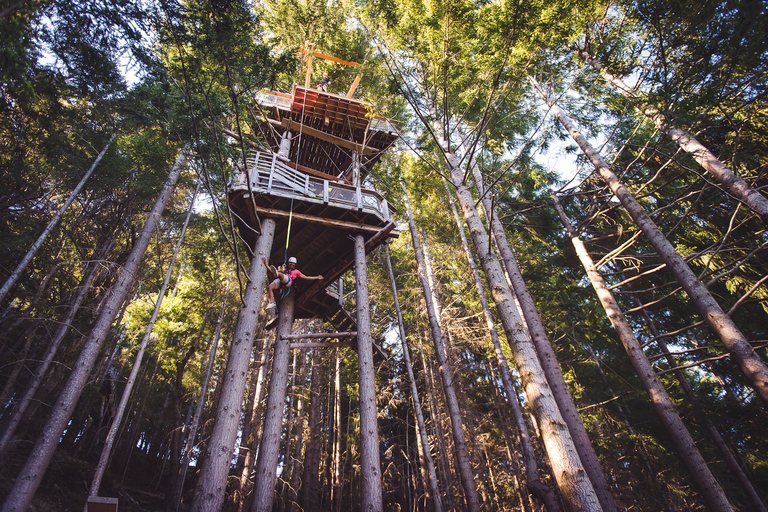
(311, 278)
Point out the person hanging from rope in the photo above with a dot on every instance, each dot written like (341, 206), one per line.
(284, 279)
(324, 83)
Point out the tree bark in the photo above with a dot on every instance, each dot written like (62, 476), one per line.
(209, 495)
(269, 447)
(446, 372)
(253, 441)
(190, 443)
(106, 452)
(702, 478)
(736, 343)
(732, 182)
(29, 478)
(546, 354)
(53, 347)
(370, 487)
(310, 488)
(575, 485)
(432, 487)
(51, 225)
(533, 483)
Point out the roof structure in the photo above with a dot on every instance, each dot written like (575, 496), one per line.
(329, 127)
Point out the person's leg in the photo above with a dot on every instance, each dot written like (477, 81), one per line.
(270, 291)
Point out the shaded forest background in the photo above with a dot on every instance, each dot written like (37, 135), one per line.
(142, 82)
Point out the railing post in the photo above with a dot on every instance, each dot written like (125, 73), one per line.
(271, 173)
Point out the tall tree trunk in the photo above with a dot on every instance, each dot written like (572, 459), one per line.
(178, 490)
(544, 349)
(733, 183)
(269, 447)
(575, 486)
(431, 484)
(542, 491)
(370, 462)
(730, 458)
(29, 478)
(53, 347)
(252, 442)
(736, 343)
(336, 473)
(106, 452)
(51, 225)
(310, 488)
(296, 459)
(702, 478)
(438, 433)
(209, 494)
(446, 372)
(180, 422)
(476, 464)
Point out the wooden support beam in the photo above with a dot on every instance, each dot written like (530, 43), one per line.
(312, 219)
(309, 63)
(320, 335)
(318, 134)
(317, 344)
(354, 85)
(330, 58)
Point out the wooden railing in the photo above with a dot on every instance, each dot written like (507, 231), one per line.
(270, 175)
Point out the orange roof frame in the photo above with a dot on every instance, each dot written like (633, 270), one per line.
(311, 53)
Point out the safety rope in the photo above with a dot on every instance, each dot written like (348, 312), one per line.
(293, 193)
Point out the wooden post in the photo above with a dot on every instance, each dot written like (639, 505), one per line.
(371, 495)
(269, 448)
(285, 145)
(212, 482)
(356, 179)
(354, 85)
(310, 49)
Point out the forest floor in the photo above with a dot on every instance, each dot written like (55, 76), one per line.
(65, 486)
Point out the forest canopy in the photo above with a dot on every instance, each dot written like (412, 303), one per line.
(563, 307)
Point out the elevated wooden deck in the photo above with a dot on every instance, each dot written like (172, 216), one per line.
(326, 215)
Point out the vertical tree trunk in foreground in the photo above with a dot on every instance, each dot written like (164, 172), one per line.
(310, 480)
(337, 482)
(736, 343)
(212, 485)
(52, 224)
(575, 485)
(433, 490)
(544, 350)
(28, 480)
(106, 452)
(702, 478)
(269, 447)
(294, 459)
(446, 373)
(179, 482)
(732, 182)
(370, 488)
(253, 442)
(542, 491)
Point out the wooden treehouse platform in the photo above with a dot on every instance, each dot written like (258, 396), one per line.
(316, 184)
